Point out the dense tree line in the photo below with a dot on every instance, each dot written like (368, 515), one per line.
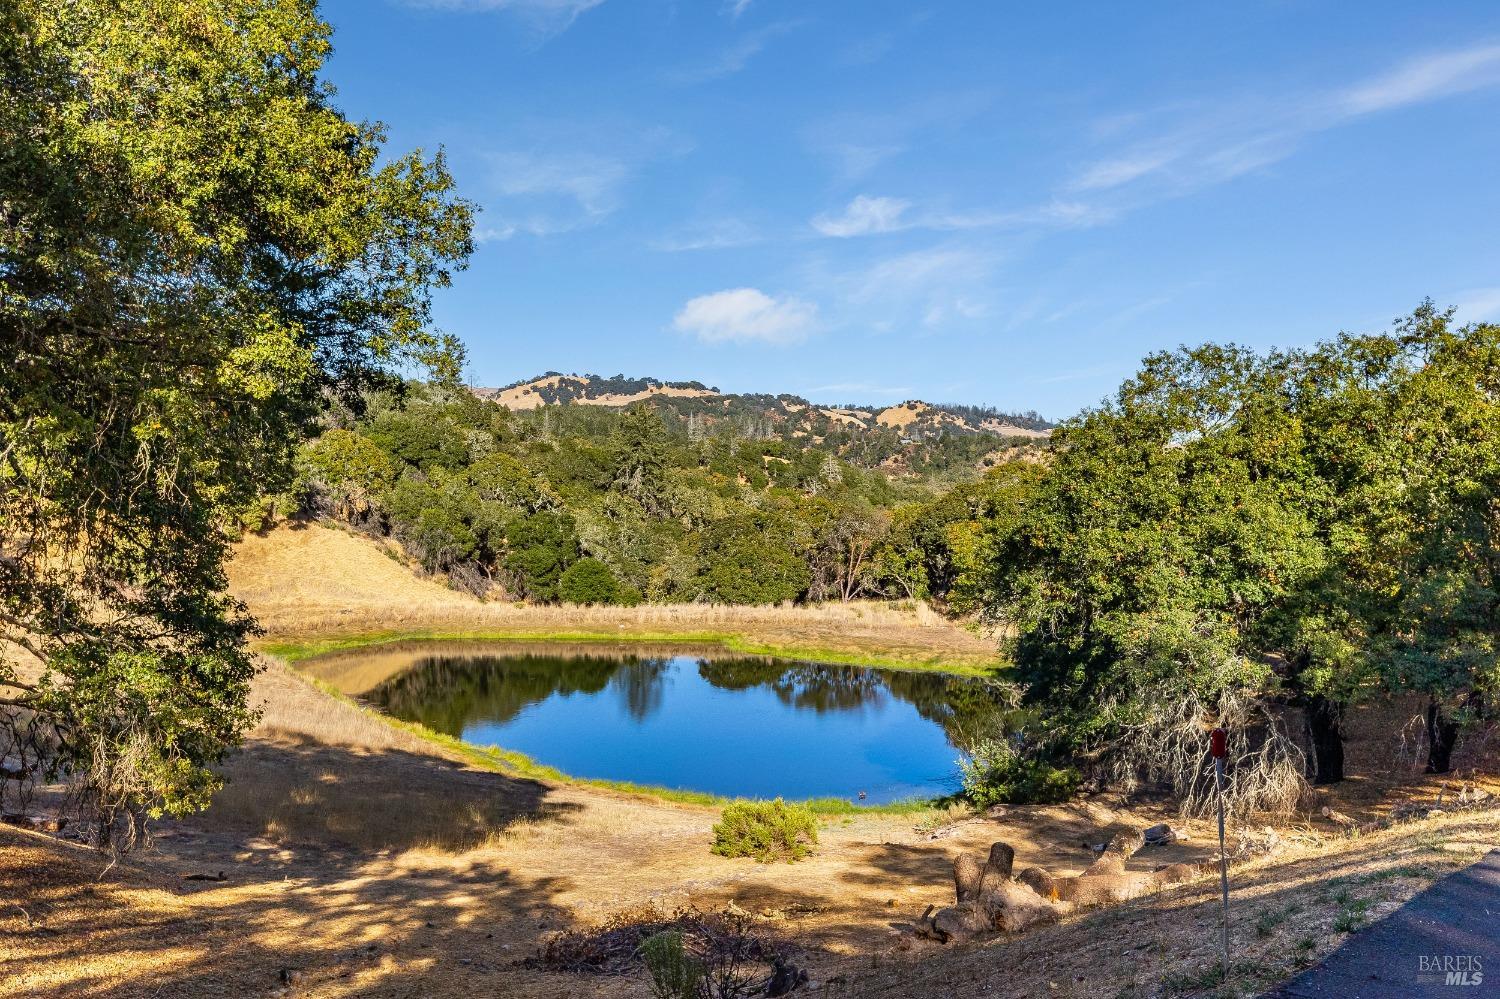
(1237, 533)
(592, 505)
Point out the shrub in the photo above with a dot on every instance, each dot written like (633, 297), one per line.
(997, 774)
(588, 581)
(540, 549)
(748, 560)
(766, 830)
(675, 974)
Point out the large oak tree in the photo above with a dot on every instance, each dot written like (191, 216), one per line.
(196, 249)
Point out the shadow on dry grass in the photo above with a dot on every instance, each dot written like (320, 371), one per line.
(362, 928)
(293, 789)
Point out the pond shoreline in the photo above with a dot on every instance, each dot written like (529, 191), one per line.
(316, 589)
(302, 660)
(682, 716)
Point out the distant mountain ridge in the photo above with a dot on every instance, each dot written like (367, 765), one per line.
(913, 418)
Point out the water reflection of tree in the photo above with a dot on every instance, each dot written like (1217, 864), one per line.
(797, 685)
(966, 709)
(640, 683)
(446, 693)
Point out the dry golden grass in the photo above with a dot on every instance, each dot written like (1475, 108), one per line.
(1288, 912)
(311, 581)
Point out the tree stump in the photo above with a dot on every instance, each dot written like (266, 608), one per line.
(988, 899)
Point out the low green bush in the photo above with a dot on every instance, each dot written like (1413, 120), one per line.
(675, 974)
(996, 773)
(766, 830)
(590, 581)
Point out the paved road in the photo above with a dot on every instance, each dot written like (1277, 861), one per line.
(1402, 956)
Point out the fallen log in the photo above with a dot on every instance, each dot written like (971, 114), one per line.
(987, 899)
(1120, 848)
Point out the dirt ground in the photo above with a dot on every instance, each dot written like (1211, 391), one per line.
(360, 860)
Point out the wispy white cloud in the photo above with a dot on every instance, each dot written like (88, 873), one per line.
(540, 193)
(868, 50)
(717, 234)
(1213, 144)
(940, 312)
(592, 181)
(919, 274)
(561, 184)
(746, 315)
(734, 8)
(848, 389)
(494, 233)
(866, 215)
(854, 160)
(737, 56)
(1110, 173)
(918, 290)
(863, 216)
(854, 145)
(1426, 78)
(550, 16)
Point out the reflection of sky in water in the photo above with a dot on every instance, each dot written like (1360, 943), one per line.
(733, 727)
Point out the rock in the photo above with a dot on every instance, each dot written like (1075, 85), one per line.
(1161, 834)
(785, 978)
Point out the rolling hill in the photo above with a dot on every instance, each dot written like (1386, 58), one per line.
(791, 415)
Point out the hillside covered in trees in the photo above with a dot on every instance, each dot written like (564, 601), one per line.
(674, 497)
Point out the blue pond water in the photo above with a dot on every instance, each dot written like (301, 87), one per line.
(732, 726)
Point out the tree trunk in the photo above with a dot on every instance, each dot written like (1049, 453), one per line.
(1442, 736)
(1324, 729)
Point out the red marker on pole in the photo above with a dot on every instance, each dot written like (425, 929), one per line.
(1218, 748)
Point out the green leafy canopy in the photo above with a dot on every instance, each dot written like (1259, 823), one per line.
(196, 247)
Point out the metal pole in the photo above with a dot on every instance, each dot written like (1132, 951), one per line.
(1223, 858)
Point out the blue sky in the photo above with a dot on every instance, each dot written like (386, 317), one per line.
(993, 203)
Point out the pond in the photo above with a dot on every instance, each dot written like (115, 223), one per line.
(697, 720)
